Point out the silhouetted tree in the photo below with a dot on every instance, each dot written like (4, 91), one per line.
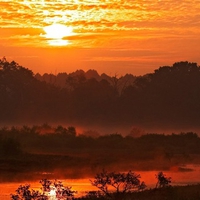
(46, 185)
(76, 79)
(10, 147)
(49, 189)
(168, 97)
(163, 181)
(71, 131)
(24, 193)
(63, 192)
(121, 182)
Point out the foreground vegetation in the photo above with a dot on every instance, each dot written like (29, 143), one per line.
(190, 192)
(126, 186)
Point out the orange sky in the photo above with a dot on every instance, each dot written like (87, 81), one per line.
(111, 36)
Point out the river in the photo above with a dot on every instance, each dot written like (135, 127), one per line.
(183, 175)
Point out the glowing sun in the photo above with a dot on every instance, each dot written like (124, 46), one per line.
(56, 32)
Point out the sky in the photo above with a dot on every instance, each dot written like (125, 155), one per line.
(110, 36)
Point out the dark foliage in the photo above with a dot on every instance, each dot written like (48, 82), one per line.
(118, 183)
(163, 181)
(61, 193)
(24, 193)
(169, 97)
(189, 192)
(50, 149)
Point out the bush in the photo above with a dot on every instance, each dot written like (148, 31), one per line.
(50, 190)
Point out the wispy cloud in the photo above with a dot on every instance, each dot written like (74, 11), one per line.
(123, 13)
(139, 30)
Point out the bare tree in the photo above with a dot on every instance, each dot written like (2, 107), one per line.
(120, 182)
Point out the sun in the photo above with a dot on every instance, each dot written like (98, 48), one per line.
(56, 32)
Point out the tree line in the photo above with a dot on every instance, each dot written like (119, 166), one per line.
(169, 97)
(60, 140)
(60, 151)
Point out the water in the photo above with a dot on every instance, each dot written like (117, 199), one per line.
(82, 185)
(79, 185)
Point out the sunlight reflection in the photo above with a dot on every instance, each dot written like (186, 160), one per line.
(52, 194)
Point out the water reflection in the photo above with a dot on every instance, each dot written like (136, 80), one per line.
(83, 185)
(191, 175)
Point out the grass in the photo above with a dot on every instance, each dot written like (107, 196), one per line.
(189, 192)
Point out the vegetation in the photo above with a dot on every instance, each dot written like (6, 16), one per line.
(191, 192)
(50, 190)
(169, 97)
(163, 181)
(60, 151)
(120, 182)
(111, 185)
(56, 191)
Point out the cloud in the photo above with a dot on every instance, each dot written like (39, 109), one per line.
(101, 22)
